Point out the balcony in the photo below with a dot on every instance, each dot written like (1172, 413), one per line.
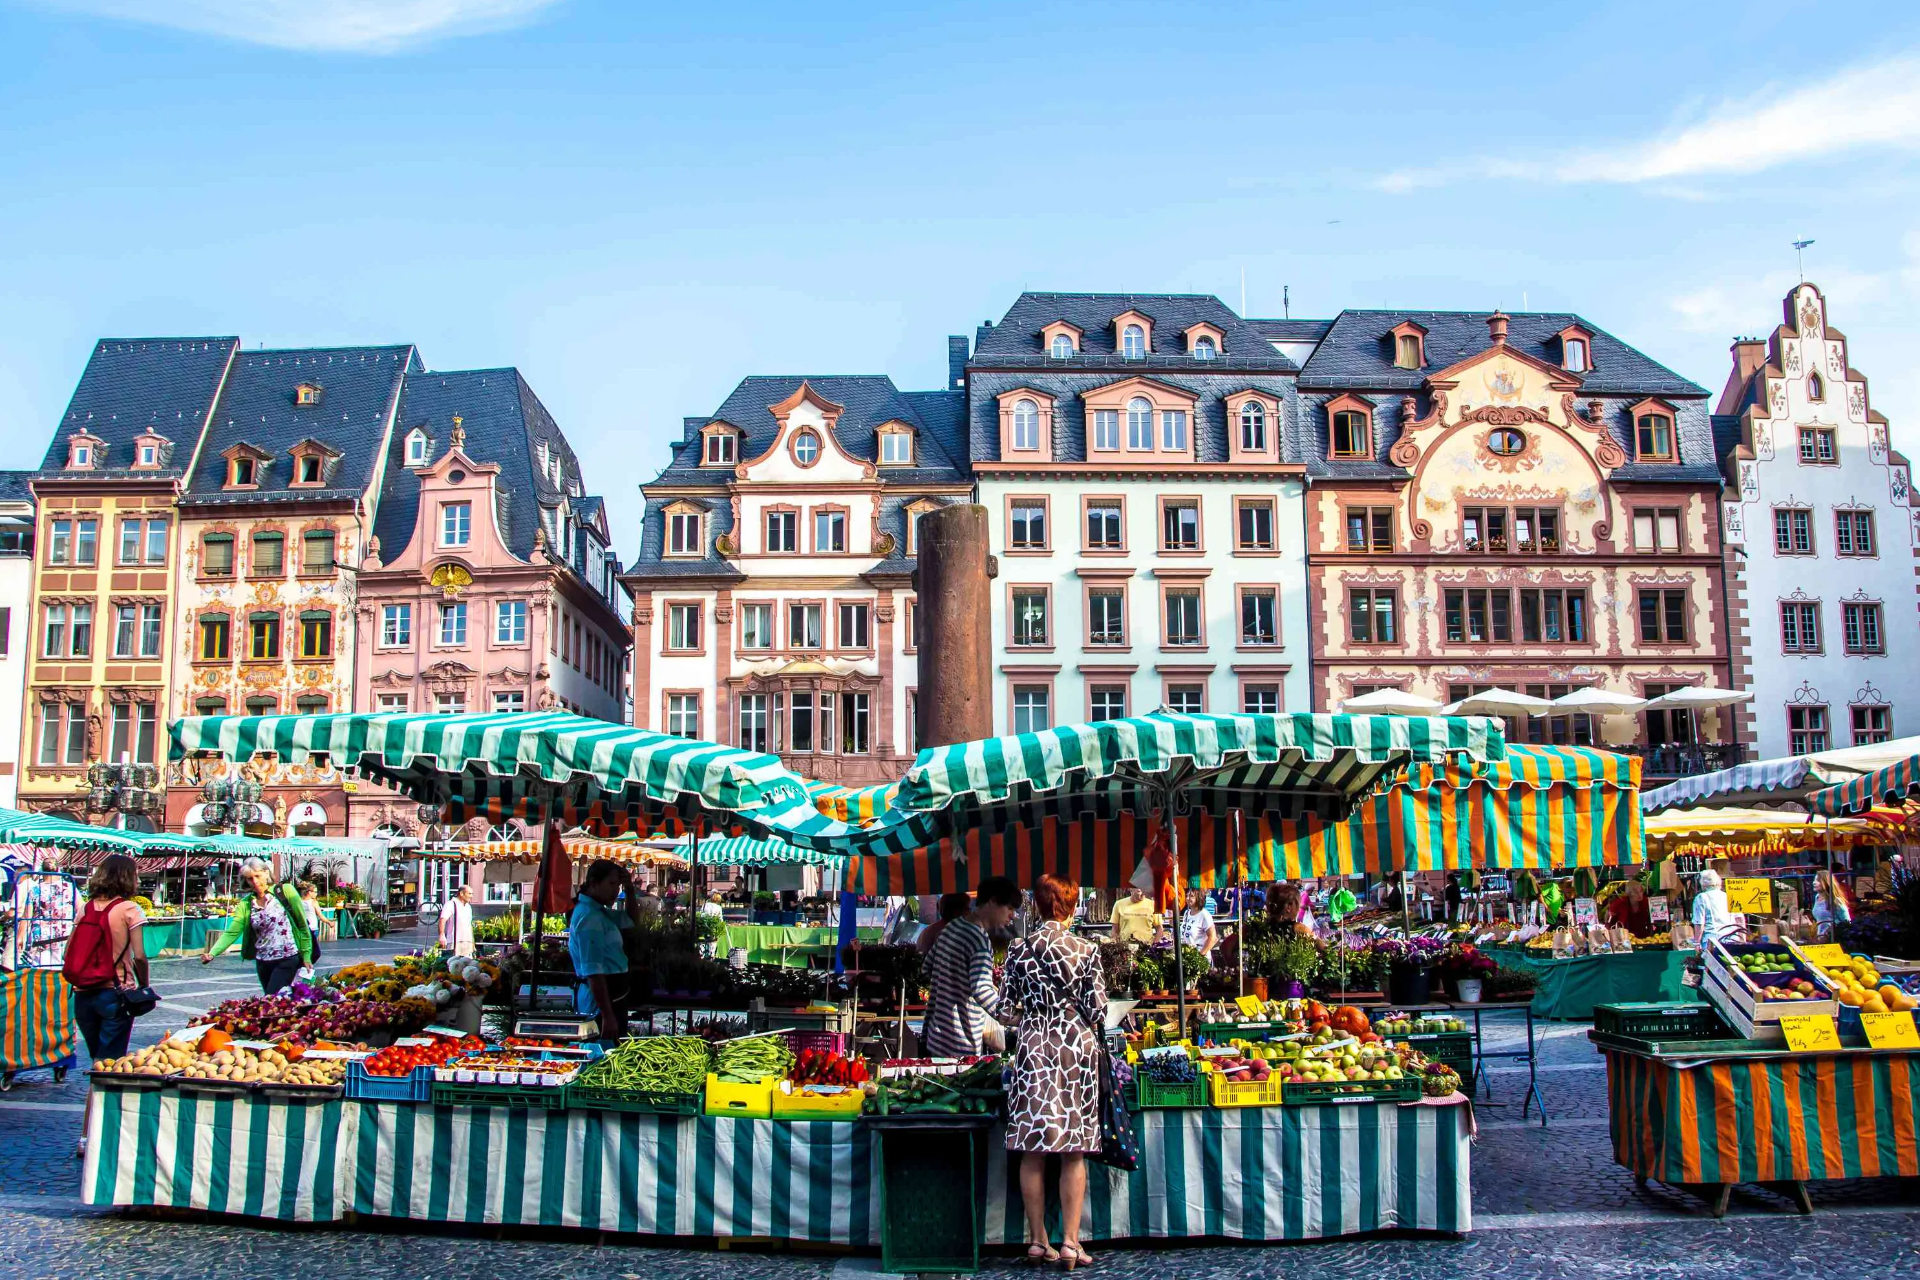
(1681, 760)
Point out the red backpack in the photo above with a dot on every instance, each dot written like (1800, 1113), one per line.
(90, 963)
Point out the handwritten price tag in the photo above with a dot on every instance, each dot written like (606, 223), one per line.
(1825, 953)
(1250, 1006)
(1810, 1032)
(1750, 897)
(1891, 1030)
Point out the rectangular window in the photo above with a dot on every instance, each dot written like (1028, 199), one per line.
(1187, 699)
(510, 622)
(829, 532)
(1255, 526)
(1654, 435)
(216, 556)
(6, 630)
(1817, 445)
(1800, 628)
(1029, 526)
(1352, 437)
(1139, 426)
(456, 524)
(60, 542)
(755, 732)
(1663, 617)
(683, 533)
(269, 555)
(756, 626)
(509, 702)
(393, 704)
(1106, 617)
(1259, 616)
(1553, 617)
(316, 634)
(1107, 702)
(1793, 531)
(1862, 623)
(1476, 615)
(1030, 619)
(683, 626)
(896, 448)
(683, 709)
(800, 719)
(317, 559)
(453, 624)
(855, 727)
(1806, 730)
(854, 620)
(1103, 527)
(1372, 616)
(1260, 699)
(150, 630)
(450, 704)
(1106, 428)
(54, 640)
(125, 624)
(1871, 725)
(52, 721)
(263, 632)
(215, 638)
(84, 534)
(1173, 430)
(1183, 618)
(156, 542)
(783, 534)
(82, 631)
(803, 626)
(1180, 526)
(130, 531)
(720, 449)
(396, 625)
(1656, 529)
(1032, 708)
(1370, 529)
(1853, 533)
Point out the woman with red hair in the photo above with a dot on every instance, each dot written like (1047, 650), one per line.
(1053, 1093)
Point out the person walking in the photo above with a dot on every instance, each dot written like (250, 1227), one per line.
(107, 957)
(961, 995)
(456, 922)
(1053, 1091)
(271, 927)
(1713, 918)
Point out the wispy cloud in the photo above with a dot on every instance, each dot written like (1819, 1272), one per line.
(328, 26)
(1862, 107)
(1752, 305)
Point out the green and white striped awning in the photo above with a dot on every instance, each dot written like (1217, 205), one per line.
(17, 826)
(744, 851)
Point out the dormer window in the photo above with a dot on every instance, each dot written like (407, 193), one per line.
(1139, 423)
(1062, 347)
(1407, 352)
(307, 470)
(722, 449)
(1653, 434)
(1204, 349)
(1573, 354)
(896, 448)
(686, 533)
(417, 448)
(242, 473)
(1253, 424)
(82, 453)
(1060, 340)
(1133, 342)
(1409, 345)
(1350, 427)
(806, 448)
(148, 456)
(147, 451)
(1026, 425)
(306, 395)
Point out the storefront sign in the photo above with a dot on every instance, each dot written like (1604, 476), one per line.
(1891, 1030)
(1750, 897)
(1657, 909)
(1810, 1032)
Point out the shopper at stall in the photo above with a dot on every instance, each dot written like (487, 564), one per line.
(597, 949)
(310, 906)
(271, 927)
(1135, 918)
(960, 991)
(952, 906)
(1629, 910)
(1830, 907)
(1053, 1091)
(1712, 918)
(1196, 924)
(456, 922)
(106, 957)
(1285, 908)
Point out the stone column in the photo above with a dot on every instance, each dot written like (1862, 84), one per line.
(956, 641)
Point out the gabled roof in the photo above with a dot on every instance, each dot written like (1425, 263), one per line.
(1355, 356)
(1015, 341)
(1292, 330)
(13, 486)
(359, 386)
(131, 385)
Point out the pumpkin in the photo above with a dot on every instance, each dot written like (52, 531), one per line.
(213, 1040)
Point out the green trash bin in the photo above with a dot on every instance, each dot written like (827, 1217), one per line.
(931, 1170)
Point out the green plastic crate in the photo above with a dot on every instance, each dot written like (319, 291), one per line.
(1150, 1095)
(1663, 1021)
(1315, 1092)
(1259, 1029)
(486, 1095)
(929, 1201)
(648, 1102)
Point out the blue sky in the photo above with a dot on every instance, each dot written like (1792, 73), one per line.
(638, 204)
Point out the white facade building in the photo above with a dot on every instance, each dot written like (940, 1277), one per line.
(1821, 529)
(16, 593)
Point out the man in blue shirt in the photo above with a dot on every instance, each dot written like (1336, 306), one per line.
(598, 950)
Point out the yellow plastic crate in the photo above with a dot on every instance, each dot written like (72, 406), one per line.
(800, 1104)
(748, 1101)
(1244, 1093)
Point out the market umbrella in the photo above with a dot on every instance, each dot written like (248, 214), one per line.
(579, 849)
(1788, 780)
(1698, 698)
(1499, 702)
(745, 851)
(1599, 702)
(1890, 784)
(1396, 702)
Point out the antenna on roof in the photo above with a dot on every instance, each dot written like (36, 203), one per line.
(1799, 263)
(1286, 301)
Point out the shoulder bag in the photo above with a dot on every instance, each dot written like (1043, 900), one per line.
(1119, 1147)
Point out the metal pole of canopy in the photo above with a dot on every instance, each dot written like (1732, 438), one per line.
(1240, 897)
(1179, 914)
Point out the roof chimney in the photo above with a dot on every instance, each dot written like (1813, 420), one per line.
(1497, 328)
(956, 361)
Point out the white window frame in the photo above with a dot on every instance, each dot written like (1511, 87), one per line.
(456, 524)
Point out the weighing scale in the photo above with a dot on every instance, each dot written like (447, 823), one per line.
(557, 1027)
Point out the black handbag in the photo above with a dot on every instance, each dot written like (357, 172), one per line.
(140, 1001)
(1119, 1149)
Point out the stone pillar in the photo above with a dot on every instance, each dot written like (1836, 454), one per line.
(956, 640)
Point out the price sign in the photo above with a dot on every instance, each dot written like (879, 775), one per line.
(1250, 1006)
(1750, 897)
(1825, 953)
(1657, 909)
(1810, 1032)
(1585, 911)
(1891, 1030)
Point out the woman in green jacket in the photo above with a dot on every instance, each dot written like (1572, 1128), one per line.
(271, 927)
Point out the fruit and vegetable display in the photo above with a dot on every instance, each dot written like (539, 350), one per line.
(276, 1017)
(508, 1067)
(975, 1091)
(216, 1057)
(1417, 1025)
(753, 1059)
(826, 1066)
(1166, 1068)
(1857, 984)
(650, 1064)
(1440, 1081)
(932, 1066)
(401, 1059)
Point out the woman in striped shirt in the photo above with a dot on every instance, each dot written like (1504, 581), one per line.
(960, 969)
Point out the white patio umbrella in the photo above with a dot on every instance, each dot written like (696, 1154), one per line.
(1696, 698)
(1500, 702)
(1392, 702)
(1599, 702)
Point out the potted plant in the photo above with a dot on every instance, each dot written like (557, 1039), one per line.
(766, 907)
(1465, 967)
(1146, 974)
(1410, 964)
(1293, 962)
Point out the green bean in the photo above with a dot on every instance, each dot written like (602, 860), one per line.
(752, 1060)
(662, 1064)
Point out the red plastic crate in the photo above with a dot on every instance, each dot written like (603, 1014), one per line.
(830, 1041)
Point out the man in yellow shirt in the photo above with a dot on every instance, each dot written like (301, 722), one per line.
(1135, 918)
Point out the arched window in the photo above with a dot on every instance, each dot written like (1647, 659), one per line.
(1816, 389)
(1026, 425)
(1139, 423)
(1133, 342)
(416, 448)
(1253, 427)
(806, 448)
(1576, 354)
(1203, 349)
(1062, 348)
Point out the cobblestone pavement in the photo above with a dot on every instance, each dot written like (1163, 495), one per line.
(1548, 1202)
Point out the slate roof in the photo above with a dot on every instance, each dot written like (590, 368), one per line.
(358, 387)
(1292, 330)
(13, 486)
(652, 562)
(1015, 341)
(505, 424)
(131, 385)
(1355, 355)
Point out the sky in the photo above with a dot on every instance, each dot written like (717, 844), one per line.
(639, 204)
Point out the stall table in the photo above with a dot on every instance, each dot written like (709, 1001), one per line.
(1706, 1119)
(787, 945)
(1569, 988)
(175, 936)
(1280, 1173)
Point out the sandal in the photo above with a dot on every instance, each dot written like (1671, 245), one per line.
(1042, 1253)
(1073, 1255)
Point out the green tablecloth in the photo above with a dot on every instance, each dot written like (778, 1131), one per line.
(1570, 989)
(788, 945)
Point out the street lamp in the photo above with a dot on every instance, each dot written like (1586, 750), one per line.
(126, 788)
(230, 802)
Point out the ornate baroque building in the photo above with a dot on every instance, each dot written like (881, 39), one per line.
(1820, 530)
(1523, 502)
(772, 600)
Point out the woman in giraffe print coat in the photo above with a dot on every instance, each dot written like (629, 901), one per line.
(1053, 1094)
